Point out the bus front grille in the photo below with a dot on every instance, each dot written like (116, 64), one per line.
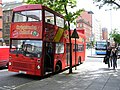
(22, 65)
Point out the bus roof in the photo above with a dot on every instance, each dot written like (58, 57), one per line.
(33, 7)
(27, 7)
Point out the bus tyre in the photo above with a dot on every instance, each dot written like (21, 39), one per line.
(58, 67)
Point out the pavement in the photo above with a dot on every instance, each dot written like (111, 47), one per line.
(93, 74)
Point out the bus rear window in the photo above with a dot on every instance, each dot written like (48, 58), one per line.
(27, 16)
(79, 48)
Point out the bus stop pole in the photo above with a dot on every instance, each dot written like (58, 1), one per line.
(75, 35)
(75, 54)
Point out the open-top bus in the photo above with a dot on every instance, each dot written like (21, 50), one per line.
(39, 43)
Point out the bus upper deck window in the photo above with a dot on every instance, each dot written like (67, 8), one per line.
(49, 17)
(28, 16)
(48, 20)
(60, 22)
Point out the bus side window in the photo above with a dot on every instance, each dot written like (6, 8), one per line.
(49, 17)
(48, 20)
(59, 21)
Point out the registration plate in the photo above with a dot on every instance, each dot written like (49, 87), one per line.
(22, 72)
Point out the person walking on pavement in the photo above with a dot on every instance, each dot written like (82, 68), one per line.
(108, 53)
(114, 57)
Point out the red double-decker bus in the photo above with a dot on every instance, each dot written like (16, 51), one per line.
(39, 43)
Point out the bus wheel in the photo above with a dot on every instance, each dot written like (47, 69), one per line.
(79, 61)
(58, 67)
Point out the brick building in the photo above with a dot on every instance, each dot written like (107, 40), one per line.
(84, 22)
(7, 15)
(104, 34)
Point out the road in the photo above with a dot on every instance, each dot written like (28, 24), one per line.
(11, 80)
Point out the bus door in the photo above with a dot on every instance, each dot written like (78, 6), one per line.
(49, 57)
(67, 54)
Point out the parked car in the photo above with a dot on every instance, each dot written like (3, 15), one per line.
(4, 56)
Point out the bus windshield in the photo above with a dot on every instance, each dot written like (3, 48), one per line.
(101, 45)
(27, 47)
(27, 16)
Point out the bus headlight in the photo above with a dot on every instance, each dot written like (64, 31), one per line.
(38, 67)
(10, 63)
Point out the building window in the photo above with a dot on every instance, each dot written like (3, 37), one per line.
(81, 25)
(8, 18)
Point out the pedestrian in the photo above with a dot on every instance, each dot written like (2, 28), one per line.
(108, 53)
(114, 57)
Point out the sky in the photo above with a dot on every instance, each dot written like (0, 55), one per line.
(109, 19)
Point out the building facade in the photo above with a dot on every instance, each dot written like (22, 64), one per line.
(90, 25)
(104, 34)
(84, 22)
(7, 16)
(1, 24)
(97, 30)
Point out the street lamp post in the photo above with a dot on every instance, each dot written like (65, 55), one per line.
(110, 18)
(91, 41)
(91, 37)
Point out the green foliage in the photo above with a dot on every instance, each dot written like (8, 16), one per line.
(61, 6)
(35, 1)
(72, 16)
(114, 3)
(115, 35)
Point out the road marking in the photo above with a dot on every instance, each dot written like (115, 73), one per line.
(7, 88)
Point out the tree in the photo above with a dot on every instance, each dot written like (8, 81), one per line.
(116, 36)
(114, 3)
(62, 7)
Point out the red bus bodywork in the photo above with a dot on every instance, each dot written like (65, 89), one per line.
(53, 38)
(4, 56)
